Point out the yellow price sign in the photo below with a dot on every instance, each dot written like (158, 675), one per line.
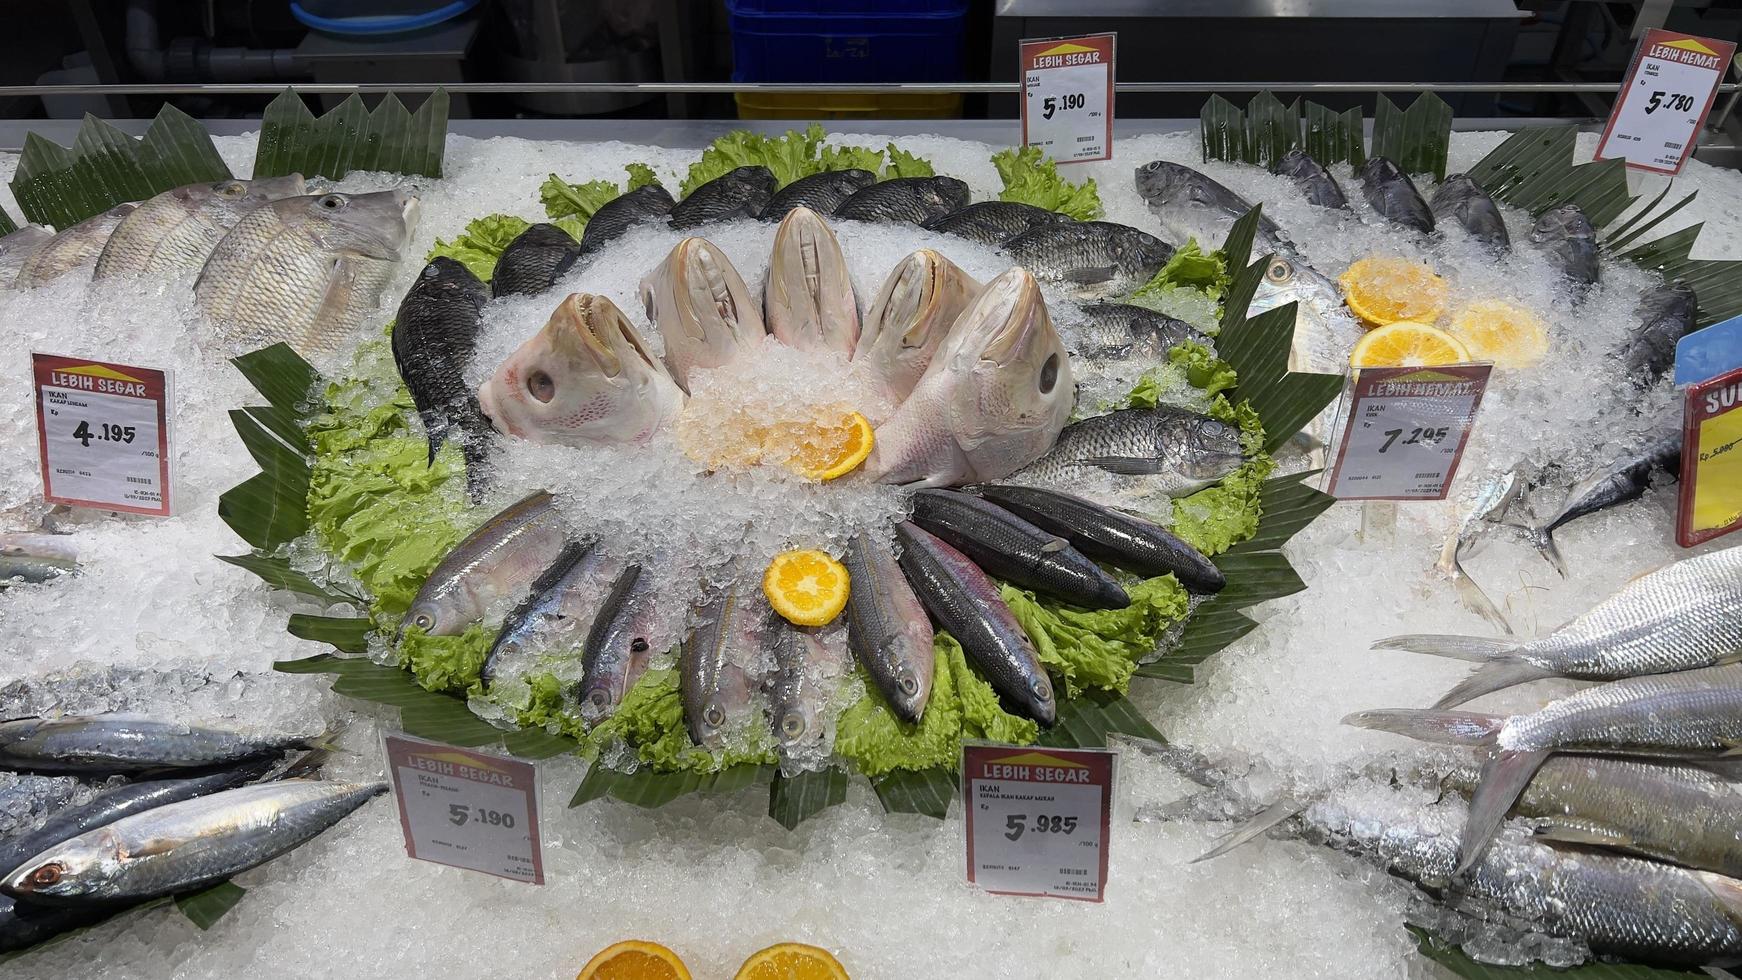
(1711, 479)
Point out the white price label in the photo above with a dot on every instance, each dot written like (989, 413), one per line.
(467, 809)
(1405, 430)
(1664, 101)
(1038, 819)
(1067, 97)
(102, 434)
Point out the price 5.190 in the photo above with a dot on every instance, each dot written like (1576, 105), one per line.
(105, 433)
(459, 814)
(1669, 100)
(1016, 823)
(1050, 105)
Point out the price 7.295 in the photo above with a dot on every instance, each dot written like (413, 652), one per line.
(1050, 105)
(1425, 437)
(1016, 823)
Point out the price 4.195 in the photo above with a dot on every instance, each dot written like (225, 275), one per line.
(109, 433)
(459, 813)
(1050, 105)
(1669, 100)
(1016, 823)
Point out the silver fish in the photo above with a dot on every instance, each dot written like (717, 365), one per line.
(74, 249)
(495, 562)
(1463, 200)
(1128, 329)
(179, 847)
(803, 674)
(125, 743)
(1617, 482)
(822, 192)
(1570, 241)
(175, 232)
(720, 663)
(992, 223)
(912, 314)
(701, 308)
(1097, 258)
(17, 247)
(911, 199)
(36, 558)
(1193, 206)
(1162, 450)
(1313, 181)
(807, 298)
(626, 634)
(1389, 191)
(740, 193)
(1488, 509)
(887, 628)
(558, 612)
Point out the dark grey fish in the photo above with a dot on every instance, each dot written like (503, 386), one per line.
(644, 204)
(742, 193)
(1314, 182)
(1466, 202)
(1097, 256)
(993, 223)
(1389, 191)
(1167, 450)
(1568, 238)
(1109, 535)
(822, 193)
(1191, 205)
(534, 261)
(1129, 329)
(1624, 479)
(434, 336)
(1666, 315)
(887, 628)
(24, 924)
(1016, 551)
(967, 604)
(912, 199)
(620, 644)
(121, 743)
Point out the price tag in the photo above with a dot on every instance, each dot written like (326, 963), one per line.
(1067, 100)
(467, 809)
(1405, 430)
(1664, 101)
(1709, 352)
(103, 434)
(1038, 820)
(1711, 484)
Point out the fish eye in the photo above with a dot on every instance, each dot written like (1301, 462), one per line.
(714, 716)
(423, 621)
(540, 386)
(1049, 374)
(638, 645)
(331, 202)
(230, 188)
(908, 685)
(1042, 690)
(48, 874)
(792, 726)
(598, 700)
(1280, 270)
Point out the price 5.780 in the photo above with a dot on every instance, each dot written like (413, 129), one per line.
(107, 433)
(1049, 105)
(1016, 823)
(1669, 100)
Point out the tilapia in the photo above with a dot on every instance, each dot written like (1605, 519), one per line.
(822, 193)
(1016, 551)
(701, 308)
(1095, 257)
(741, 193)
(1389, 192)
(992, 223)
(1691, 714)
(1680, 617)
(1488, 509)
(620, 644)
(645, 204)
(175, 232)
(126, 743)
(558, 611)
(586, 378)
(1314, 182)
(992, 400)
(1128, 329)
(1112, 536)
(912, 314)
(74, 249)
(182, 846)
(1460, 198)
(35, 558)
(807, 298)
(803, 671)
(912, 199)
(1566, 235)
(1162, 450)
(19, 246)
(887, 628)
(496, 562)
(434, 336)
(1193, 206)
(1624, 479)
(721, 663)
(534, 261)
(1666, 315)
(967, 604)
(307, 271)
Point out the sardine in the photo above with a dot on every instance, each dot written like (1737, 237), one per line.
(1108, 535)
(1570, 241)
(720, 663)
(701, 308)
(645, 204)
(912, 199)
(434, 336)
(175, 232)
(1137, 330)
(1094, 257)
(497, 561)
(1161, 450)
(1489, 508)
(887, 628)
(620, 644)
(74, 249)
(534, 261)
(1624, 479)
(822, 193)
(1463, 200)
(1666, 315)
(1191, 205)
(992, 223)
(1314, 182)
(125, 743)
(559, 610)
(913, 312)
(807, 298)
(1006, 546)
(741, 193)
(1389, 192)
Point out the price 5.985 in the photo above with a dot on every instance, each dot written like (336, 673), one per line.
(1016, 823)
(108, 433)
(1049, 105)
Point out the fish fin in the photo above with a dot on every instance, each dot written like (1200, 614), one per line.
(328, 741)
(1717, 973)
(1503, 778)
(1591, 836)
(1091, 275)
(1543, 539)
(1478, 649)
(1252, 828)
(1126, 465)
(1055, 545)
(1495, 675)
(1727, 890)
(1427, 725)
(1477, 601)
(307, 764)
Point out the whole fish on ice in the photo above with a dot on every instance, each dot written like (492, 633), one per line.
(557, 613)
(534, 261)
(1107, 535)
(126, 743)
(1566, 236)
(1191, 205)
(497, 561)
(740, 193)
(1389, 192)
(175, 232)
(1094, 257)
(643, 205)
(1463, 200)
(1124, 329)
(887, 628)
(1623, 479)
(74, 249)
(434, 336)
(1014, 550)
(721, 663)
(821, 192)
(1162, 450)
(1666, 315)
(1314, 182)
(915, 200)
(1488, 509)
(627, 633)
(992, 223)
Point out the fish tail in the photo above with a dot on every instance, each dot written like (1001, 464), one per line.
(307, 764)
(1543, 539)
(1479, 649)
(1428, 725)
(1495, 675)
(328, 741)
(1503, 778)
(1252, 828)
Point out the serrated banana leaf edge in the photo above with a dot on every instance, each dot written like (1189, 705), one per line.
(1456, 962)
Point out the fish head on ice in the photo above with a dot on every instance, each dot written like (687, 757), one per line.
(913, 312)
(1205, 449)
(808, 298)
(372, 225)
(1191, 204)
(699, 304)
(74, 870)
(1324, 330)
(445, 276)
(237, 197)
(587, 377)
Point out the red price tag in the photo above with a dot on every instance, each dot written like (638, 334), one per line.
(103, 433)
(1038, 819)
(1711, 478)
(1067, 97)
(1665, 100)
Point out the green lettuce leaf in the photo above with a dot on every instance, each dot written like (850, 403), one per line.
(640, 175)
(1189, 268)
(447, 664)
(797, 154)
(569, 206)
(903, 164)
(479, 246)
(850, 158)
(1031, 179)
(1099, 647)
(651, 719)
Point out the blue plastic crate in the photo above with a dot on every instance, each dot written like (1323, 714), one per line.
(847, 41)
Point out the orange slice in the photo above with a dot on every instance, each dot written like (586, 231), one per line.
(808, 588)
(1383, 289)
(1510, 336)
(792, 961)
(1408, 344)
(634, 959)
(825, 450)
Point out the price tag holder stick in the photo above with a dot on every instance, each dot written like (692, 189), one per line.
(465, 808)
(1038, 819)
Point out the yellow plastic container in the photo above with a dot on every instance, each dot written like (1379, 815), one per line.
(802, 105)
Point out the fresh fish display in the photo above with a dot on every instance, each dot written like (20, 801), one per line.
(1126, 329)
(307, 271)
(1324, 330)
(181, 846)
(1388, 191)
(1193, 206)
(803, 671)
(1010, 548)
(1680, 617)
(620, 644)
(821, 192)
(916, 200)
(741, 193)
(1108, 535)
(1314, 182)
(19, 246)
(534, 261)
(1463, 200)
(912, 314)
(701, 307)
(967, 604)
(643, 205)
(1096, 257)
(175, 232)
(73, 250)
(123, 743)
(36, 558)
(720, 662)
(887, 628)
(1161, 450)
(1666, 315)
(807, 299)
(586, 378)
(992, 223)
(992, 400)
(1486, 511)
(1566, 235)
(496, 562)
(558, 611)
(1624, 479)
(434, 335)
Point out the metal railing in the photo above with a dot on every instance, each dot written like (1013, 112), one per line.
(705, 88)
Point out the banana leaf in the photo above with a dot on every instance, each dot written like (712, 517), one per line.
(277, 573)
(795, 799)
(1084, 722)
(650, 790)
(1271, 128)
(1212, 627)
(1288, 504)
(1717, 282)
(7, 225)
(1256, 576)
(1222, 126)
(1456, 962)
(1534, 170)
(927, 791)
(62, 186)
(206, 906)
(1333, 137)
(347, 634)
(1416, 139)
(271, 508)
(352, 137)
